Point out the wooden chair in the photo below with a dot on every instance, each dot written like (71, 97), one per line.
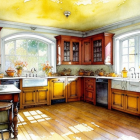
(5, 118)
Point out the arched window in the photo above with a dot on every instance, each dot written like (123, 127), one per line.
(31, 48)
(127, 51)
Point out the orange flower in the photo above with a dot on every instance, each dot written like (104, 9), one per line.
(20, 64)
(46, 67)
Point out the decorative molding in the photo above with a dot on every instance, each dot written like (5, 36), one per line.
(59, 31)
(116, 25)
(44, 29)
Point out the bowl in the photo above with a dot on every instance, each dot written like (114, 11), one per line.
(10, 73)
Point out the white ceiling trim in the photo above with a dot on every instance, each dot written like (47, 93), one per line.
(116, 25)
(44, 29)
(60, 31)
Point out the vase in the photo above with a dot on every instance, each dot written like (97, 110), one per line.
(19, 72)
(46, 73)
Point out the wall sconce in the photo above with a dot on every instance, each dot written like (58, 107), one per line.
(67, 13)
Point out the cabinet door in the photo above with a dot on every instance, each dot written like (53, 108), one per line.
(132, 102)
(108, 48)
(76, 51)
(86, 52)
(98, 51)
(117, 99)
(73, 90)
(89, 92)
(42, 95)
(66, 51)
(28, 96)
(57, 89)
(89, 96)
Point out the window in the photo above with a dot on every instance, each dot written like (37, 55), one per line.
(127, 52)
(33, 49)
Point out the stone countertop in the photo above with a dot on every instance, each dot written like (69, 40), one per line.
(97, 77)
(9, 89)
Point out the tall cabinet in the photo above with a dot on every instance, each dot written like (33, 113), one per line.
(68, 50)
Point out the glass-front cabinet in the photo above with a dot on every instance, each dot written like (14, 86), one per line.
(102, 49)
(68, 50)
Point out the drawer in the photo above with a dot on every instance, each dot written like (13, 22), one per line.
(89, 87)
(89, 80)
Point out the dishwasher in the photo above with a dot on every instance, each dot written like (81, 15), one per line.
(102, 92)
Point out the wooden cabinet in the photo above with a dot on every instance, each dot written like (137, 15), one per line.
(90, 90)
(34, 96)
(68, 50)
(118, 99)
(86, 51)
(57, 89)
(73, 89)
(132, 102)
(126, 101)
(0, 44)
(96, 49)
(102, 49)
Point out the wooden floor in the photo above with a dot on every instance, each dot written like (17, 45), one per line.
(76, 121)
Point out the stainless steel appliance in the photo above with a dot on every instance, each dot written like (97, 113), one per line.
(102, 92)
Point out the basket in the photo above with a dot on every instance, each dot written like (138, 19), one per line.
(87, 73)
(10, 73)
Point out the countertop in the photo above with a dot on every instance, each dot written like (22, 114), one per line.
(97, 77)
(9, 89)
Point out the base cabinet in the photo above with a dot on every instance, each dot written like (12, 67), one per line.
(90, 90)
(57, 89)
(34, 96)
(126, 101)
(73, 89)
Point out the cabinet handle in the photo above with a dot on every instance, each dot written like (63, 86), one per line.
(42, 90)
(58, 81)
(123, 94)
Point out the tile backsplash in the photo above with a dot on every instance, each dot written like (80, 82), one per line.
(75, 68)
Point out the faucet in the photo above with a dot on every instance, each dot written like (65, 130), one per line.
(33, 69)
(134, 71)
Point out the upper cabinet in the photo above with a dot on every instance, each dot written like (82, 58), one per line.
(68, 50)
(102, 49)
(86, 51)
(95, 50)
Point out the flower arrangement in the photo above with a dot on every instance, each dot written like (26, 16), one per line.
(19, 65)
(46, 67)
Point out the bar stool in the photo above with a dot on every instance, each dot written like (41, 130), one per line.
(5, 118)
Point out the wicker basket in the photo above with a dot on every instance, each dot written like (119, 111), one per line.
(87, 73)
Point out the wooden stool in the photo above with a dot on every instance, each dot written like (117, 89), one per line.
(5, 106)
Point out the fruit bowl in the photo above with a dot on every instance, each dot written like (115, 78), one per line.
(10, 73)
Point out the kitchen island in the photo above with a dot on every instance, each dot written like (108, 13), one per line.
(11, 92)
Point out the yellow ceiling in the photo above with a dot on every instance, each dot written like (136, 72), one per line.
(85, 14)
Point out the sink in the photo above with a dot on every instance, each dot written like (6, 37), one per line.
(34, 82)
(133, 80)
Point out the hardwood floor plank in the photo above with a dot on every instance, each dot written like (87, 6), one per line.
(135, 128)
(80, 120)
(76, 121)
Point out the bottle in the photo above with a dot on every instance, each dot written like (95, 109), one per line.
(124, 73)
